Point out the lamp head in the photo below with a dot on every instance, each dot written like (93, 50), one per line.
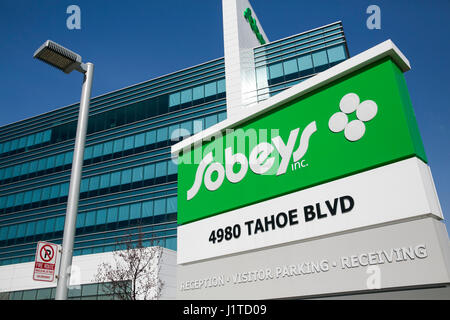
(58, 56)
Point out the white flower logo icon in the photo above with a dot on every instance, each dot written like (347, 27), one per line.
(365, 111)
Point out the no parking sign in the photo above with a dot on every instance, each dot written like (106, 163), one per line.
(46, 261)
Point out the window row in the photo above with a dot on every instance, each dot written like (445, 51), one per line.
(94, 291)
(109, 148)
(169, 242)
(110, 179)
(126, 212)
(199, 94)
(275, 44)
(299, 67)
(26, 141)
(123, 115)
(139, 210)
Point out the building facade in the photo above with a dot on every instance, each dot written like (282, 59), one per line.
(129, 182)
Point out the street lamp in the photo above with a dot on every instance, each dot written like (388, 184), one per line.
(67, 61)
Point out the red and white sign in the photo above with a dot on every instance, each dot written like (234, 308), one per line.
(47, 258)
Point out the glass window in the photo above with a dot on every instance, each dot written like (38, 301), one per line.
(3, 233)
(90, 218)
(124, 212)
(6, 146)
(59, 223)
(171, 204)
(129, 143)
(30, 140)
(162, 134)
(107, 147)
(221, 86)
(16, 170)
(88, 153)
(126, 176)
(12, 231)
(186, 128)
(27, 197)
(29, 294)
(19, 199)
(8, 172)
(210, 121)
(320, 58)
(137, 174)
(150, 137)
(40, 226)
(261, 77)
(64, 189)
(149, 171)
(186, 96)
(276, 70)
(30, 228)
(45, 193)
(112, 214)
(171, 168)
(290, 66)
(161, 169)
(21, 230)
(81, 218)
(36, 195)
(118, 145)
(115, 178)
(174, 99)
(47, 135)
(84, 187)
(51, 162)
(22, 142)
(104, 180)
(304, 63)
(68, 156)
(222, 116)
(54, 191)
(139, 141)
(210, 89)
(101, 216)
(336, 54)
(14, 144)
(94, 183)
(44, 294)
(2, 202)
(98, 150)
(38, 137)
(160, 206)
(135, 211)
(11, 200)
(42, 164)
(198, 92)
(50, 225)
(174, 132)
(89, 289)
(147, 209)
(59, 160)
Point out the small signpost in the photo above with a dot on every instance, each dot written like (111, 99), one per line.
(46, 261)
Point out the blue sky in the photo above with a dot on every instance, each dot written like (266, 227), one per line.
(133, 41)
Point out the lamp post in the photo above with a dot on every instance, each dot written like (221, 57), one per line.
(67, 61)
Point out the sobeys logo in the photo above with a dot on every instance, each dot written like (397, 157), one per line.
(261, 158)
(365, 111)
(253, 25)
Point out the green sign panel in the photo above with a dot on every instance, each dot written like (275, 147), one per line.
(362, 121)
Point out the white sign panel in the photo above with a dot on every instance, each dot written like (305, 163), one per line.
(393, 192)
(46, 261)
